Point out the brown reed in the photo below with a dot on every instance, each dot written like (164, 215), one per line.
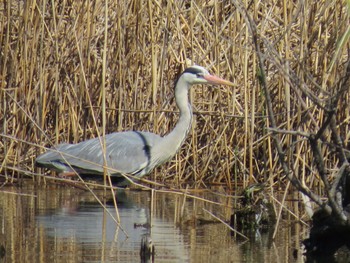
(70, 70)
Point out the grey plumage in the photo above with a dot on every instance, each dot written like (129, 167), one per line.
(132, 152)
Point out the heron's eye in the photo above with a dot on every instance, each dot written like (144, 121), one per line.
(200, 75)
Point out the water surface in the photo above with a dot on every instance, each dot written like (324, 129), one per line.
(65, 224)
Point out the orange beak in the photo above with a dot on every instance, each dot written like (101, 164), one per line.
(216, 80)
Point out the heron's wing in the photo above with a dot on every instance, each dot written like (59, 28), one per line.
(126, 152)
(131, 154)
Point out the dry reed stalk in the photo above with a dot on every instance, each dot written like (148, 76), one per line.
(53, 55)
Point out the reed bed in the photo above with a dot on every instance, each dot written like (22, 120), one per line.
(72, 70)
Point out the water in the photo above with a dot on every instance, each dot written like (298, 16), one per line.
(64, 224)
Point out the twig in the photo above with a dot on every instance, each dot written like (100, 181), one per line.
(299, 133)
(231, 228)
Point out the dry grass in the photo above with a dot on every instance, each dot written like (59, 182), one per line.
(54, 82)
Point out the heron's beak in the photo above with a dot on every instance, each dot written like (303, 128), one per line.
(216, 80)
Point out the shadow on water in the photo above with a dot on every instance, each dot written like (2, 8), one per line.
(62, 224)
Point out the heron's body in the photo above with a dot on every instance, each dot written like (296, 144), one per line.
(132, 152)
(119, 147)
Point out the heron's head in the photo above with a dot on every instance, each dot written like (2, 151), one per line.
(199, 75)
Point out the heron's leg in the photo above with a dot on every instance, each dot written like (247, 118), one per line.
(67, 174)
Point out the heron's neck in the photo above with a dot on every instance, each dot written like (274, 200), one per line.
(173, 141)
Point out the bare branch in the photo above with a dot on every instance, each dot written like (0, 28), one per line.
(262, 79)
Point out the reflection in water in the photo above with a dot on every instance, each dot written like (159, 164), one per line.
(62, 224)
(84, 222)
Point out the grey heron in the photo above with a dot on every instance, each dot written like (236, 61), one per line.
(134, 153)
